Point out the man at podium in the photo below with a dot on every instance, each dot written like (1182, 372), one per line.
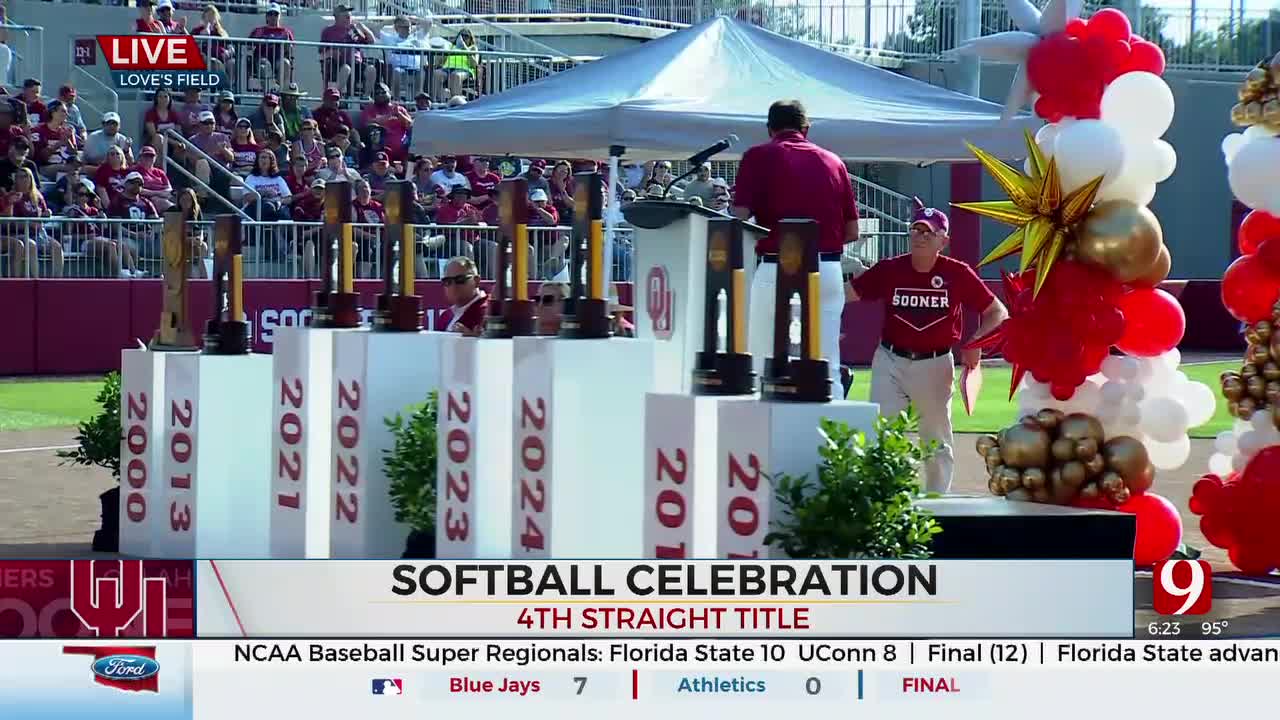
(790, 177)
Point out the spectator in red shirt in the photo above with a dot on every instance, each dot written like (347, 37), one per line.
(790, 177)
(299, 177)
(381, 109)
(336, 63)
(214, 144)
(467, 302)
(267, 116)
(160, 118)
(458, 211)
(8, 130)
(55, 141)
(273, 60)
(164, 13)
(110, 175)
(88, 237)
(367, 212)
(131, 205)
(155, 182)
(309, 146)
(30, 98)
(561, 182)
(225, 112)
(221, 55)
(484, 183)
(925, 294)
(308, 207)
(244, 148)
(541, 212)
(329, 117)
(30, 240)
(146, 22)
(379, 175)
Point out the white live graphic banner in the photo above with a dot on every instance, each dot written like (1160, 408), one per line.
(371, 598)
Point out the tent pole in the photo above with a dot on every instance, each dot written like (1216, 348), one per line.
(614, 210)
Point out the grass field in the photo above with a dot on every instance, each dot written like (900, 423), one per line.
(34, 405)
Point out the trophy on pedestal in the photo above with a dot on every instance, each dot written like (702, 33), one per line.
(806, 378)
(227, 332)
(399, 309)
(175, 326)
(515, 315)
(728, 372)
(586, 310)
(338, 308)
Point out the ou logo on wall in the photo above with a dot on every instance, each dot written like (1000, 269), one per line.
(660, 301)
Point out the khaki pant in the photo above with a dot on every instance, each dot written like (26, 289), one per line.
(928, 385)
(760, 316)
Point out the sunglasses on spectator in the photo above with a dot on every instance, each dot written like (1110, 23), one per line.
(456, 279)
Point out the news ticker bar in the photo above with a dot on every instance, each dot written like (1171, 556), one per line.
(554, 678)
(358, 598)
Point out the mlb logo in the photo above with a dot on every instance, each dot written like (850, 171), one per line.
(388, 686)
(1182, 587)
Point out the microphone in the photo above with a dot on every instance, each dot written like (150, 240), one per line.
(704, 155)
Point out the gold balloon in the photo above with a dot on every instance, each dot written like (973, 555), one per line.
(1019, 495)
(1253, 113)
(1247, 407)
(995, 487)
(1257, 79)
(1263, 328)
(1271, 371)
(993, 460)
(1049, 418)
(1090, 491)
(1095, 465)
(1157, 273)
(1233, 389)
(1228, 375)
(1110, 481)
(1273, 392)
(1240, 113)
(1260, 354)
(1086, 448)
(1120, 496)
(1010, 477)
(1143, 481)
(1248, 370)
(1025, 445)
(1074, 474)
(1274, 345)
(985, 443)
(1251, 337)
(1271, 111)
(1121, 236)
(1257, 387)
(1078, 426)
(1041, 496)
(1063, 449)
(1126, 456)
(1275, 415)
(1233, 408)
(1034, 478)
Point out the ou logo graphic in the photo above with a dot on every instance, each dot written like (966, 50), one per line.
(108, 605)
(660, 302)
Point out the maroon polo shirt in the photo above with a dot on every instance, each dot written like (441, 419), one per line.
(790, 177)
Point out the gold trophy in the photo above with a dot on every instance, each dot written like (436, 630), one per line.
(586, 310)
(806, 378)
(399, 309)
(175, 326)
(728, 372)
(515, 315)
(227, 332)
(338, 308)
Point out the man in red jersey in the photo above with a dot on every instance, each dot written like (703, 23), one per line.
(272, 60)
(336, 64)
(329, 117)
(924, 294)
(484, 183)
(467, 302)
(790, 177)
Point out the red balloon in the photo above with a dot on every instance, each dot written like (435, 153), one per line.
(1110, 24)
(1153, 322)
(1269, 254)
(1159, 528)
(1145, 57)
(1048, 110)
(1252, 560)
(1250, 289)
(1075, 28)
(1257, 227)
(1062, 392)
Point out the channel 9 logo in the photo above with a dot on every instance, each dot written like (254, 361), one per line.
(1182, 587)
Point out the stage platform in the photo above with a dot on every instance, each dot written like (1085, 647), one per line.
(981, 527)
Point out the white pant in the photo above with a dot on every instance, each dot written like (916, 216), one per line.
(764, 288)
(926, 384)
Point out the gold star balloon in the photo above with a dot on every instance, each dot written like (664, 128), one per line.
(1041, 214)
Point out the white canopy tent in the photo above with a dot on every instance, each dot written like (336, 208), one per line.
(671, 97)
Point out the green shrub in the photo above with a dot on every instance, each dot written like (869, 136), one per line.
(410, 465)
(99, 437)
(862, 503)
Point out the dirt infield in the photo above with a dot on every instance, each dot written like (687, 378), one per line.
(48, 510)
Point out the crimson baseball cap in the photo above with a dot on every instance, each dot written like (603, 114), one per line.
(933, 217)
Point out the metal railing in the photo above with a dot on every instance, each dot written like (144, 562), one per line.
(234, 180)
(21, 53)
(94, 94)
(493, 37)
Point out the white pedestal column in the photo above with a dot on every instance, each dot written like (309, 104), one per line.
(375, 376)
(474, 494)
(757, 440)
(580, 405)
(301, 431)
(141, 411)
(214, 488)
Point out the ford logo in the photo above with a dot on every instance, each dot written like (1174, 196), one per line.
(125, 667)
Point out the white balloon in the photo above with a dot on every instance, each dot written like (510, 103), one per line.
(1120, 367)
(1164, 160)
(1140, 104)
(1261, 421)
(1238, 461)
(1136, 392)
(1128, 416)
(1250, 442)
(1200, 402)
(1085, 150)
(1232, 143)
(1085, 399)
(1225, 443)
(1258, 131)
(1026, 166)
(1046, 136)
(1163, 418)
(1251, 174)
(1114, 392)
(1220, 464)
(1170, 455)
(1172, 359)
(1239, 427)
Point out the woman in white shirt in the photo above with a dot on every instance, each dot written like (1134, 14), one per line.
(267, 182)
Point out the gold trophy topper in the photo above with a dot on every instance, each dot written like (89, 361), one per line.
(718, 252)
(175, 325)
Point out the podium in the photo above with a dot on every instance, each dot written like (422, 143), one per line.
(670, 284)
